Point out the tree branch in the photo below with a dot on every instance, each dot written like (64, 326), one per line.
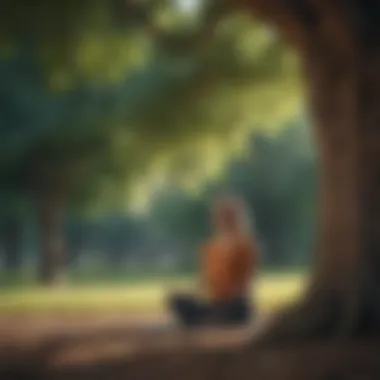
(293, 19)
(314, 24)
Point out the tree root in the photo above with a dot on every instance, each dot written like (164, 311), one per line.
(296, 324)
(321, 318)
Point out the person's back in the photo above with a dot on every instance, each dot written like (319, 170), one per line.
(228, 267)
(227, 262)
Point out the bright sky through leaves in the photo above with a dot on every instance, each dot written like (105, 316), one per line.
(188, 5)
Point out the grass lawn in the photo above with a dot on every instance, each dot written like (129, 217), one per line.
(137, 297)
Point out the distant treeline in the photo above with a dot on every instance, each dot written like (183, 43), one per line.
(276, 180)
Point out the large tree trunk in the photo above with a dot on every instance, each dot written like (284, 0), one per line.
(339, 48)
(11, 241)
(346, 100)
(51, 210)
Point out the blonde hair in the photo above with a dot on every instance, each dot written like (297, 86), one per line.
(243, 218)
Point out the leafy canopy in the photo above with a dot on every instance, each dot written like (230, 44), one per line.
(109, 94)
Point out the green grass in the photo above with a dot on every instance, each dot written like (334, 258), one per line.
(134, 297)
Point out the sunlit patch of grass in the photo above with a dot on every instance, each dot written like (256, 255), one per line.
(270, 291)
(277, 290)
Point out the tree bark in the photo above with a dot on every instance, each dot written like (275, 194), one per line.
(11, 241)
(346, 103)
(76, 237)
(340, 54)
(51, 210)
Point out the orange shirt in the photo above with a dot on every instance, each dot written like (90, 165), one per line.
(228, 267)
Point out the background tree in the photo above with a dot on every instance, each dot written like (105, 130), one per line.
(14, 215)
(11, 233)
(101, 87)
(275, 177)
(183, 219)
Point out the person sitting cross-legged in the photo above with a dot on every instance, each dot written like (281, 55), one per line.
(228, 263)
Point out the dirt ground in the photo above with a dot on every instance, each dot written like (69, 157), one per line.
(114, 347)
(51, 344)
(21, 328)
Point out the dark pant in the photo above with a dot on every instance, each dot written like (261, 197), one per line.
(193, 312)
